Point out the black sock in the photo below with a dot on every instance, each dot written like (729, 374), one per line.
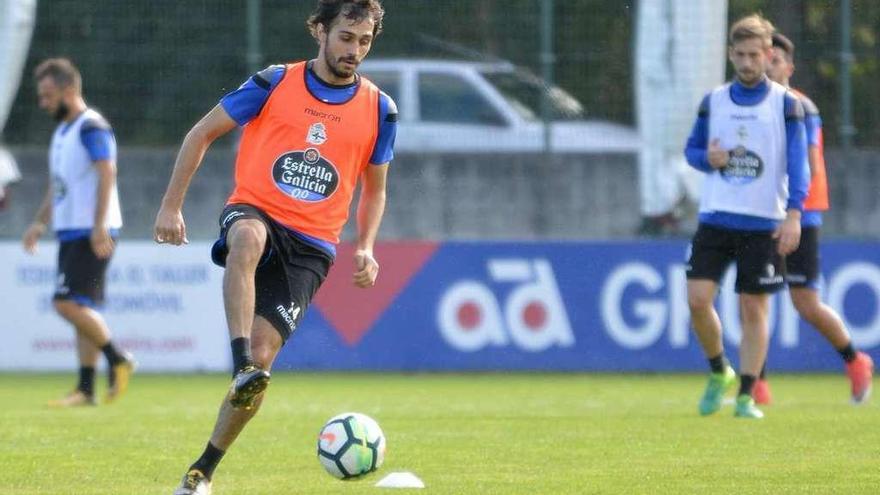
(208, 461)
(848, 353)
(718, 363)
(763, 375)
(746, 382)
(86, 383)
(113, 356)
(241, 353)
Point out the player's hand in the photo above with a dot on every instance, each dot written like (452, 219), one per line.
(366, 269)
(31, 236)
(788, 234)
(718, 156)
(102, 243)
(169, 228)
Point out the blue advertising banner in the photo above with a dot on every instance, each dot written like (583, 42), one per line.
(604, 306)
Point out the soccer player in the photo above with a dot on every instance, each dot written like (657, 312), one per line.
(312, 131)
(749, 139)
(82, 204)
(802, 266)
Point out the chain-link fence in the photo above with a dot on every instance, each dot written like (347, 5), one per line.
(154, 67)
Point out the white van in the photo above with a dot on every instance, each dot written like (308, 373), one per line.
(477, 107)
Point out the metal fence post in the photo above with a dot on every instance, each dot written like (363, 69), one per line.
(548, 61)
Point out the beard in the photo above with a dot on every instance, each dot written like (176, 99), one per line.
(337, 69)
(61, 112)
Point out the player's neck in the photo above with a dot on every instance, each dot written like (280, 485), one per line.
(319, 67)
(753, 84)
(77, 107)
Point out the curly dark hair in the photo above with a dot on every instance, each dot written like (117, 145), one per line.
(354, 10)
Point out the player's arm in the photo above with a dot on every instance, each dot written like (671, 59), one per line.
(236, 108)
(813, 124)
(371, 207)
(701, 154)
(97, 138)
(170, 227)
(41, 221)
(789, 231)
(101, 241)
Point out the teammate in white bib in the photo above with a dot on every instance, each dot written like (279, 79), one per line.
(82, 205)
(749, 139)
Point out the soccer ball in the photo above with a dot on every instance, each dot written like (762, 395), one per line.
(351, 445)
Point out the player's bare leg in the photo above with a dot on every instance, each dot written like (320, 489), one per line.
(246, 241)
(231, 420)
(704, 318)
(754, 312)
(707, 326)
(92, 328)
(859, 366)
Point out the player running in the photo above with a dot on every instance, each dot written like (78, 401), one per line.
(312, 130)
(802, 266)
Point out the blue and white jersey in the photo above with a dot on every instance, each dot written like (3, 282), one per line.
(754, 180)
(75, 147)
(756, 124)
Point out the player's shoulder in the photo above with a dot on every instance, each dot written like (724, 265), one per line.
(93, 120)
(387, 102)
(794, 107)
(810, 107)
(269, 77)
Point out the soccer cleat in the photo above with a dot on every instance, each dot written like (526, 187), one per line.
(120, 374)
(73, 399)
(761, 392)
(194, 483)
(860, 372)
(745, 408)
(248, 383)
(715, 389)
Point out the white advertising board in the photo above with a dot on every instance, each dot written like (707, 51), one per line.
(163, 303)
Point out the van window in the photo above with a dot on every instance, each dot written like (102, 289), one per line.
(449, 98)
(388, 81)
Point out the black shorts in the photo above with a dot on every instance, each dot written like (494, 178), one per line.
(759, 267)
(81, 274)
(802, 266)
(288, 274)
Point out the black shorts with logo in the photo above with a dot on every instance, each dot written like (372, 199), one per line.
(288, 274)
(81, 273)
(759, 267)
(802, 266)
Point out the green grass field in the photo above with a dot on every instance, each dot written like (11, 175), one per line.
(462, 434)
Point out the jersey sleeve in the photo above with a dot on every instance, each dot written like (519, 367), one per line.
(798, 166)
(383, 150)
(246, 102)
(812, 120)
(97, 137)
(695, 150)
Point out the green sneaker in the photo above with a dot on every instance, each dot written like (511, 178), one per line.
(715, 389)
(745, 408)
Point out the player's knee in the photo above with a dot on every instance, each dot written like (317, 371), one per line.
(699, 302)
(803, 303)
(246, 243)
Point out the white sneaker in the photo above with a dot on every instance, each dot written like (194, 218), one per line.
(194, 483)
